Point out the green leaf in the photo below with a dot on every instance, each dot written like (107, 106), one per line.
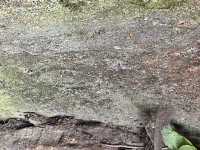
(174, 140)
(187, 147)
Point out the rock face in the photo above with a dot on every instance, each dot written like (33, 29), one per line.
(99, 60)
(67, 133)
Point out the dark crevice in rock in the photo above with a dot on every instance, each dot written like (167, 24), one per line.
(14, 123)
(88, 123)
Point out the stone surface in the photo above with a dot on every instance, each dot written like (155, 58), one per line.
(99, 61)
(67, 133)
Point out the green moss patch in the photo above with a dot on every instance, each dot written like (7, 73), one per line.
(8, 104)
